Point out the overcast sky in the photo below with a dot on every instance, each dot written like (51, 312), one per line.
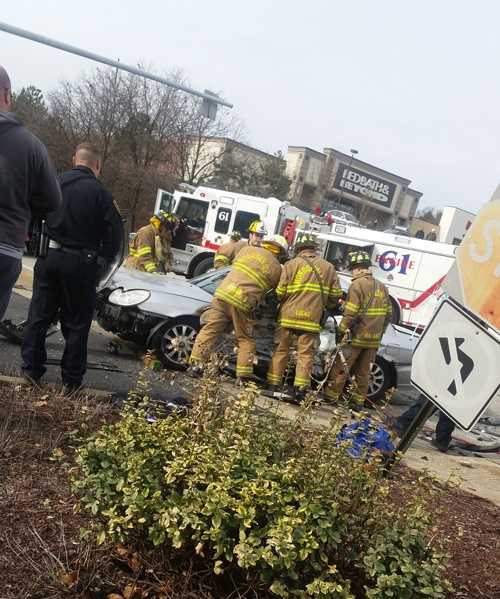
(413, 86)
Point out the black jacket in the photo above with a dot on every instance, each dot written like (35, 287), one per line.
(28, 181)
(88, 217)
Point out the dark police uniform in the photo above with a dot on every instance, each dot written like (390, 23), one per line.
(88, 226)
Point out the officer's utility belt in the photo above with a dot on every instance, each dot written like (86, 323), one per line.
(87, 255)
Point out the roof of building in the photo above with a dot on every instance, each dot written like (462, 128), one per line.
(356, 161)
(246, 146)
(417, 194)
(305, 148)
(461, 210)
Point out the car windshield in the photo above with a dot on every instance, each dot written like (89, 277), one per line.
(209, 281)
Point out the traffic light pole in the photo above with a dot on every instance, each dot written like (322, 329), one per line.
(210, 100)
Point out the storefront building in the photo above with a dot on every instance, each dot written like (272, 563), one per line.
(334, 180)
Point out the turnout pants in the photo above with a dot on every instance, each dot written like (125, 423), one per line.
(9, 273)
(285, 339)
(220, 317)
(64, 283)
(359, 361)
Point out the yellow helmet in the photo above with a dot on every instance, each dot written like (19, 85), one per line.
(305, 240)
(166, 219)
(276, 244)
(257, 227)
(358, 259)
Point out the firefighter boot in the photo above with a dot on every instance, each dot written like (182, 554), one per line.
(299, 394)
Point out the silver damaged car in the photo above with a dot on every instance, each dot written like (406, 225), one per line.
(162, 312)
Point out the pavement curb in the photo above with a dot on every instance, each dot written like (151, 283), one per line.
(17, 380)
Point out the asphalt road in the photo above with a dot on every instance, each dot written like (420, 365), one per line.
(126, 365)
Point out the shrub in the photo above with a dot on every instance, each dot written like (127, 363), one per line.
(262, 499)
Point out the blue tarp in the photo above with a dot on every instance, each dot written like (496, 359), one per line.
(364, 437)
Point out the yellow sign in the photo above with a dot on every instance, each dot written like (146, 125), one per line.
(475, 280)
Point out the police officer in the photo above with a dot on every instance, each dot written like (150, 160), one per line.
(85, 234)
(255, 271)
(308, 286)
(151, 248)
(367, 312)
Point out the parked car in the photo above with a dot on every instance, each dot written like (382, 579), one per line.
(398, 230)
(341, 217)
(162, 312)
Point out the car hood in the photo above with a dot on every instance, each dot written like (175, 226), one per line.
(171, 295)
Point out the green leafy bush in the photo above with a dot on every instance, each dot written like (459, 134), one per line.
(260, 498)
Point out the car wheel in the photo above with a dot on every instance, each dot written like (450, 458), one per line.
(381, 379)
(174, 341)
(203, 266)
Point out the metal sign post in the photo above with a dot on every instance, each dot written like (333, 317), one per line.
(210, 100)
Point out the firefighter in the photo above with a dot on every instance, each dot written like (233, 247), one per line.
(255, 272)
(308, 286)
(256, 233)
(150, 250)
(367, 312)
(227, 252)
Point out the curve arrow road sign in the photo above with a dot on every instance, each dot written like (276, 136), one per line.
(456, 364)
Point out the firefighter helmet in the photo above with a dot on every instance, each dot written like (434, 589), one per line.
(305, 240)
(276, 244)
(166, 219)
(235, 236)
(257, 227)
(358, 259)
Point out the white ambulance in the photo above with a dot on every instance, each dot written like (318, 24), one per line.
(209, 216)
(412, 269)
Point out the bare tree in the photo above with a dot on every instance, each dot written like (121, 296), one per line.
(196, 158)
(430, 215)
(150, 135)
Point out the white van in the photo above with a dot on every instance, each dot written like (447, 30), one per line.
(412, 269)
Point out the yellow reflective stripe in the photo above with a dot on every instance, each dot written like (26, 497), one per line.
(150, 266)
(303, 325)
(300, 382)
(244, 369)
(273, 378)
(365, 344)
(143, 250)
(304, 288)
(375, 312)
(221, 258)
(351, 307)
(336, 292)
(231, 299)
(332, 394)
(252, 274)
(281, 289)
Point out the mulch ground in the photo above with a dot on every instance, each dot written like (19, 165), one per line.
(44, 557)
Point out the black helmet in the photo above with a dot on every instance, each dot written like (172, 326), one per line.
(305, 240)
(235, 236)
(358, 259)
